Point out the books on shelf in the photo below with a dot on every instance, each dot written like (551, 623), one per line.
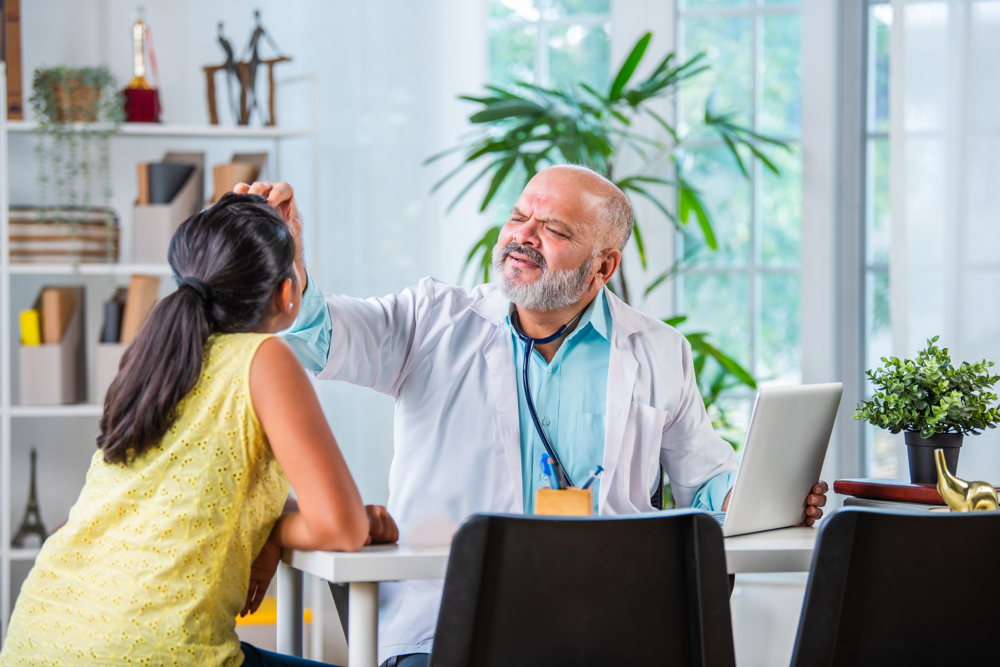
(139, 300)
(60, 235)
(890, 494)
(58, 304)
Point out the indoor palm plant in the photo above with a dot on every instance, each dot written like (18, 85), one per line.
(935, 404)
(525, 128)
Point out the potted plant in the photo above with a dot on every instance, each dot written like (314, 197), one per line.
(77, 111)
(934, 403)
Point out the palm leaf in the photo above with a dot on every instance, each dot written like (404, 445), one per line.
(640, 246)
(501, 173)
(505, 109)
(628, 68)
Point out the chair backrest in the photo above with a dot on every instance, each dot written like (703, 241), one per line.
(902, 588)
(637, 590)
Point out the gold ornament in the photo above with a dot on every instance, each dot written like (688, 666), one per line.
(960, 495)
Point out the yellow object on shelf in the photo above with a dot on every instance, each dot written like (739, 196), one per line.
(960, 495)
(31, 327)
(267, 614)
(564, 502)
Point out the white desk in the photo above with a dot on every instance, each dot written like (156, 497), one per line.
(786, 550)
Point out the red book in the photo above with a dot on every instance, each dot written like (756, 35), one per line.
(899, 490)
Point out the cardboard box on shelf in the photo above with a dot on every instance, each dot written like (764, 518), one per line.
(109, 358)
(243, 168)
(56, 373)
(153, 225)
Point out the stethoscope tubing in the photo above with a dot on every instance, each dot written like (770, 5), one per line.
(529, 344)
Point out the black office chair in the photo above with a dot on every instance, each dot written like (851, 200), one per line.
(630, 590)
(901, 588)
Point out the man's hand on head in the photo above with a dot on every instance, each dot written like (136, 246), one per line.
(281, 198)
(381, 528)
(814, 502)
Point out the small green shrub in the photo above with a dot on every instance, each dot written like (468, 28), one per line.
(929, 395)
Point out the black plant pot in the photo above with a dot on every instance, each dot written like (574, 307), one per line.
(920, 452)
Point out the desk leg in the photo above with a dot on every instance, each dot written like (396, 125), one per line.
(289, 611)
(362, 644)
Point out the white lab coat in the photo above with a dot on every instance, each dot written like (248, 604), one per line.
(447, 359)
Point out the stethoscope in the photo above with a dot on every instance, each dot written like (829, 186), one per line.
(529, 344)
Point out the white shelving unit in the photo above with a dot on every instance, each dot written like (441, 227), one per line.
(10, 412)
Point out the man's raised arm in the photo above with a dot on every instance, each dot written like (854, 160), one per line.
(362, 341)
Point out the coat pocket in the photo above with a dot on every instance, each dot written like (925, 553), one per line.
(641, 452)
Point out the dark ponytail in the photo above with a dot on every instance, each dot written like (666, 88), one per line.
(229, 261)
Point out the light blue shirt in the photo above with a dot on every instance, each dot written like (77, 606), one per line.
(572, 398)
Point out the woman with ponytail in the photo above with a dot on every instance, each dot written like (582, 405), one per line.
(207, 423)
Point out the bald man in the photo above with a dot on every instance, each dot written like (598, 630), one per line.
(612, 387)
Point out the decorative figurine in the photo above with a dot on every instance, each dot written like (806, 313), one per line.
(245, 72)
(960, 495)
(142, 101)
(31, 524)
(229, 67)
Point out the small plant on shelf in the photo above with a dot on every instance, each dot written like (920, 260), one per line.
(77, 111)
(932, 401)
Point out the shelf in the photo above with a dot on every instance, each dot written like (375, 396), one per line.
(165, 130)
(91, 269)
(81, 410)
(24, 554)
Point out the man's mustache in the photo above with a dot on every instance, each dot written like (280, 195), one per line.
(529, 253)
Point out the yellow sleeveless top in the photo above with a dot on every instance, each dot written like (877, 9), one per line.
(153, 565)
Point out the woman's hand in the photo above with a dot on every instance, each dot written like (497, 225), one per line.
(281, 198)
(381, 528)
(261, 573)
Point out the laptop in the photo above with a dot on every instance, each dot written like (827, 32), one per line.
(786, 443)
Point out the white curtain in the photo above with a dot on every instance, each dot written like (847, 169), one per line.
(945, 180)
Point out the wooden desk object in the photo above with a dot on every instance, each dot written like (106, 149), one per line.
(564, 502)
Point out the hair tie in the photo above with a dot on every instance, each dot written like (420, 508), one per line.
(199, 286)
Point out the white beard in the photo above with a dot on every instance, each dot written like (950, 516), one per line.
(553, 290)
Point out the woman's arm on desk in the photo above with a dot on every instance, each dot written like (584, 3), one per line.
(331, 516)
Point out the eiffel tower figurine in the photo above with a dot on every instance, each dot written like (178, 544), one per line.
(31, 524)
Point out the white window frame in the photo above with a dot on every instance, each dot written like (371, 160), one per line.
(756, 11)
(544, 26)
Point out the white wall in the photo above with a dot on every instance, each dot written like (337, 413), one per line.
(387, 75)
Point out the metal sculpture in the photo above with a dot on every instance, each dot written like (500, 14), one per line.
(245, 72)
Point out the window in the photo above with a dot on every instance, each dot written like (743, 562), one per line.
(745, 294)
(550, 42)
(880, 456)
